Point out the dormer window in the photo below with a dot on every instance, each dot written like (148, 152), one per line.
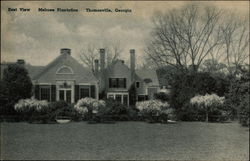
(64, 70)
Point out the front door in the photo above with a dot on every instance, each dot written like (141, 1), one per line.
(65, 95)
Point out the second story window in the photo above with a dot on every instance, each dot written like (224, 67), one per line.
(117, 82)
(137, 84)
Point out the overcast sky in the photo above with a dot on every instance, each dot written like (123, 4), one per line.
(37, 36)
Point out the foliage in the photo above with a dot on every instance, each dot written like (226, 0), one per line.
(32, 109)
(212, 66)
(16, 85)
(154, 110)
(38, 111)
(187, 85)
(88, 106)
(113, 107)
(117, 111)
(211, 103)
(31, 105)
(237, 98)
(151, 107)
(208, 101)
(162, 96)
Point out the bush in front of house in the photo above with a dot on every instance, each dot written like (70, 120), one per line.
(155, 110)
(116, 111)
(37, 111)
(212, 105)
(63, 109)
(89, 107)
(32, 109)
(162, 96)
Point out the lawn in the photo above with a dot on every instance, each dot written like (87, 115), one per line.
(125, 140)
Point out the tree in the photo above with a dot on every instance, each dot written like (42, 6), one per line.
(184, 36)
(208, 102)
(91, 52)
(238, 97)
(235, 35)
(88, 55)
(17, 86)
(184, 86)
(212, 66)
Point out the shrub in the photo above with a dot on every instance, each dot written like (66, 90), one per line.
(87, 106)
(210, 103)
(162, 96)
(114, 110)
(30, 105)
(32, 109)
(154, 109)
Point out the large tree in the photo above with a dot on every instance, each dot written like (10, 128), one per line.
(184, 37)
(235, 35)
(16, 84)
(91, 52)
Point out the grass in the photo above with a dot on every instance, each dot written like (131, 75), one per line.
(125, 140)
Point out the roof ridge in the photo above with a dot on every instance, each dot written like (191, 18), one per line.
(48, 66)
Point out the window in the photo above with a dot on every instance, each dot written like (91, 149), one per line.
(117, 82)
(142, 97)
(68, 96)
(111, 96)
(84, 91)
(125, 100)
(118, 98)
(45, 93)
(137, 84)
(64, 70)
(61, 95)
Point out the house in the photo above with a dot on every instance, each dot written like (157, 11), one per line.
(117, 80)
(66, 79)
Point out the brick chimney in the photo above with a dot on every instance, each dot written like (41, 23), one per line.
(132, 64)
(65, 51)
(102, 59)
(96, 66)
(102, 70)
(20, 62)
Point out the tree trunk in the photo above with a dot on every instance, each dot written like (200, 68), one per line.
(207, 116)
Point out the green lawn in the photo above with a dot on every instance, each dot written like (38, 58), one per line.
(125, 140)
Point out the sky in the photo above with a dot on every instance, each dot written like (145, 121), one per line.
(37, 37)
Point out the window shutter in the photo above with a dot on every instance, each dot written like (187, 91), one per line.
(92, 92)
(109, 82)
(53, 93)
(37, 92)
(76, 93)
(125, 83)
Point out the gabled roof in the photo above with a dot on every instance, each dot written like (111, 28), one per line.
(81, 74)
(33, 70)
(148, 74)
(119, 62)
